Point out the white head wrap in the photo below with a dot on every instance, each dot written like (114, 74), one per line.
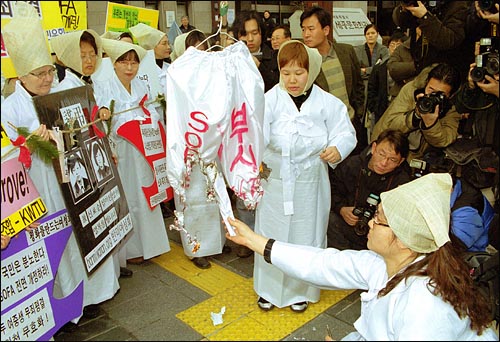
(180, 45)
(418, 212)
(111, 34)
(315, 61)
(147, 36)
(67, 49)
(24, 39)
(116, 48)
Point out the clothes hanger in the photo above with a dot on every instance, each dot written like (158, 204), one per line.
(223, 11)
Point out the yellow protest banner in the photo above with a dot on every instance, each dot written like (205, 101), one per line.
(120, 17)
(58, 17)
(22, 218)
(5, 139)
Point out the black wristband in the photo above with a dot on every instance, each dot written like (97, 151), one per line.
(267, 250)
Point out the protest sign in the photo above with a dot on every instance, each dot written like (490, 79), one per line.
(92, 189)
(29, 266)
(58, 17)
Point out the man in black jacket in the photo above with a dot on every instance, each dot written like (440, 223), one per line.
(380, 167)
(248, 28)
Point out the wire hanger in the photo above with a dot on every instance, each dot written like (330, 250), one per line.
(223, 11)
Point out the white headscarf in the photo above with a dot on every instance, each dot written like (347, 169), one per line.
(315, 61)
(147, 36)
(67, 49)
(116, 48)
(180, 45)
(24, 39)
(418, 212)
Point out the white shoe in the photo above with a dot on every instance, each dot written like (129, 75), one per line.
(299, 307)
(264, 304)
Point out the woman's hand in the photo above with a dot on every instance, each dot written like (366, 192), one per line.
(5, 241)
(331, 155)
(42, 132)
(104, 113)
(245, 236)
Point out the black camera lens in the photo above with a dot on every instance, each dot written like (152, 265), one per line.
(488, 5)
(425, 105)
(477, 74)
(410, 2)
(491, 65)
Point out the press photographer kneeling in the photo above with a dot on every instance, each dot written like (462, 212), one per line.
(423, 111)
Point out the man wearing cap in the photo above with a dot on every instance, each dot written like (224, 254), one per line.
(149, 237)
(417, 284)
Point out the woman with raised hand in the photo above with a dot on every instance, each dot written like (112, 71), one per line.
(417, 284)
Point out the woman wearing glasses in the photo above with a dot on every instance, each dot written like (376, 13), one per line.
(149, 236)
(25, 41)
(417, 284)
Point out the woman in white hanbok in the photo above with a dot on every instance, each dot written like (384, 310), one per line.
(305, 130)
(149, 236)
(81, 53)
(34, 67)
(416, 284)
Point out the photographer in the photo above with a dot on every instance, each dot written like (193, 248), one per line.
(437, 32)
(428, 132)
(479, 99)
(380, 167)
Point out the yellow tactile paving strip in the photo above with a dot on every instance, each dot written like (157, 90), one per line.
(242, 320)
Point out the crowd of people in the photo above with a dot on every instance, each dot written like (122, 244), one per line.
(360, 191)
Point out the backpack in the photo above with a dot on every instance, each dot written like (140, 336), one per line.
(484, 270)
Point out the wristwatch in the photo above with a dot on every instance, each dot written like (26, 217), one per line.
(267, 250)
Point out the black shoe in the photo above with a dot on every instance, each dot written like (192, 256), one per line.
(226, 249)
(69, 328)
(201, 262)
(91, 311)
(125, 272)
(264, 304)
(299, 307)
(244, 252)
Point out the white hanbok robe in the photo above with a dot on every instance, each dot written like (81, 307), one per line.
(410, 312)
(103, 284)
(149, 236)
(296, 200)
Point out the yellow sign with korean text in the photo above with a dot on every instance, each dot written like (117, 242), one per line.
(120, 17)
(58, 17)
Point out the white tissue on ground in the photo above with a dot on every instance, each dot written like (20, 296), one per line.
(217, 317)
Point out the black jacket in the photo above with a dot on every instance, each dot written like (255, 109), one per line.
(352, 182)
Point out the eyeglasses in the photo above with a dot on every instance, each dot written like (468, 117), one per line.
(126, 63)
(375, 216)
(276, 38)
(392, 160)
(91, 57)
(42, 74)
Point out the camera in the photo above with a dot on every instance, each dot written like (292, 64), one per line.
(488, 5)
(409, 2)
(365, 214)
(419, 167)
(486, 61)
(427, 103)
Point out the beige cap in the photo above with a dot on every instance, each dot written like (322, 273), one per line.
(315, 61)
(67, 49)
(147, 36)
(180, 45)
(116, 48)
(24, 39)
(418, 212)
